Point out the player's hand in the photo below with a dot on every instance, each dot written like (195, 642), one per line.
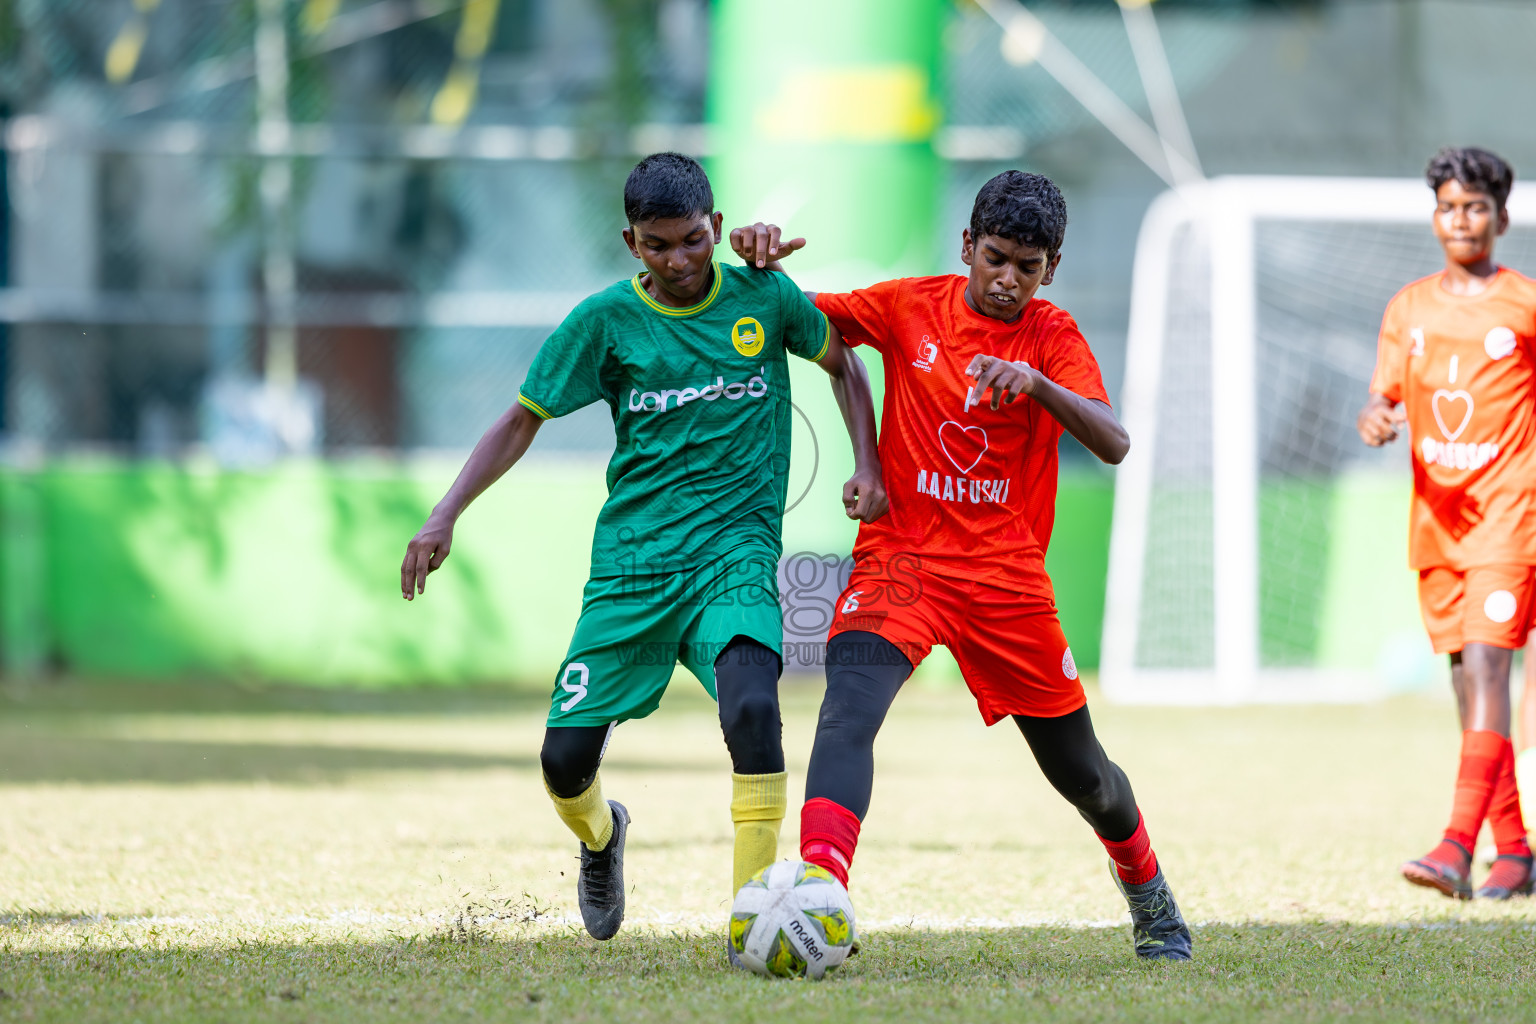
(864, 496)
(1380, 421)
(760, 244)
(1007, 380)
(424, 554)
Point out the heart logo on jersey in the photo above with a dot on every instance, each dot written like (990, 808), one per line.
(1451, 398)
(961, 444)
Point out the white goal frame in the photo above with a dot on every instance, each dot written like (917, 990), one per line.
(1227, 208)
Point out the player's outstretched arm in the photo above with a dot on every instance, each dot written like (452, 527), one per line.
(496, 452)
(1380, 421)
(864, 494)
(1092, 422)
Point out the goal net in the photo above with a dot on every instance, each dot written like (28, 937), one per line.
(1259, 549)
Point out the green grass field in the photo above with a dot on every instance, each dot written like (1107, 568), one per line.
(218, 854)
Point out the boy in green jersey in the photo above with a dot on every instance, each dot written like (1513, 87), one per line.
(690, 356)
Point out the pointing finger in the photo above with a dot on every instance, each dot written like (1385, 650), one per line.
(760, 243)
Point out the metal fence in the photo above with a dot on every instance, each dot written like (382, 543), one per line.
(314, 225)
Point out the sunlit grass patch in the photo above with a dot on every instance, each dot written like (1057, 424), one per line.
(259, 856)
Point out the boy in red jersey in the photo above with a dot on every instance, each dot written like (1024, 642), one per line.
(1457, 365)
(981, 378)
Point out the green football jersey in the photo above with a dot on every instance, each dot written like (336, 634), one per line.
(701, 410)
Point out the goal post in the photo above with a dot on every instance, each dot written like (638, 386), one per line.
(1251, 526)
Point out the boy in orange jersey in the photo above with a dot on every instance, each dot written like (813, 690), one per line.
(982, 377)
(1457, 365)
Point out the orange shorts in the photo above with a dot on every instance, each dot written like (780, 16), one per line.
(1008, 643)
(1488, 604)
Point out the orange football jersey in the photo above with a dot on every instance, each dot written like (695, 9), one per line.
(1464, 367)
(972, 489)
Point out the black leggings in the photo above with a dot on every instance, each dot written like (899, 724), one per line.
(747, 685)
(864, 673)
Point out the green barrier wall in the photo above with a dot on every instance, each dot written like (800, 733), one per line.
(292, 574)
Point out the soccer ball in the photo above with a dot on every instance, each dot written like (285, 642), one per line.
(792, 920)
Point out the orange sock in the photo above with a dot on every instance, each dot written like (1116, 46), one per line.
(1482, 752)
(1504, 810)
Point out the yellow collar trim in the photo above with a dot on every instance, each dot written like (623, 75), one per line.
(698, 307)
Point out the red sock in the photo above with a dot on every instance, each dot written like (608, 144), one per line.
(829, 833)
(1452, 854)
(1481, 753)
(1504, 810)
(1135, 862)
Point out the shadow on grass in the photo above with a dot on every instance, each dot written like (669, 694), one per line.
(73, 696)
(1244, 973)
(33, 756)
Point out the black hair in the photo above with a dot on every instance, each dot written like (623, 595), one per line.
(1476, 169)
(664, 186)
(1026, 208)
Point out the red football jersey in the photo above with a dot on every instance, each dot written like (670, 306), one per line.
(972, 491)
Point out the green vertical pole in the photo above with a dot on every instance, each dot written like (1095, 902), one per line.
(822, 116)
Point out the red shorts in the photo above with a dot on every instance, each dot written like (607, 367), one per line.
(1487, 604)
(1008, 643)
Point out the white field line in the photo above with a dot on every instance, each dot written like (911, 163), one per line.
(522, 918)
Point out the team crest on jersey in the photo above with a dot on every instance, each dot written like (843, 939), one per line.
(747, 336)
(1499, 343)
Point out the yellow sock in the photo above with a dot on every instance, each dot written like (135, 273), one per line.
(758, 803)
(586, 814)
(1525, 780)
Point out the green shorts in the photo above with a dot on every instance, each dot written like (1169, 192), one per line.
(634, 629)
